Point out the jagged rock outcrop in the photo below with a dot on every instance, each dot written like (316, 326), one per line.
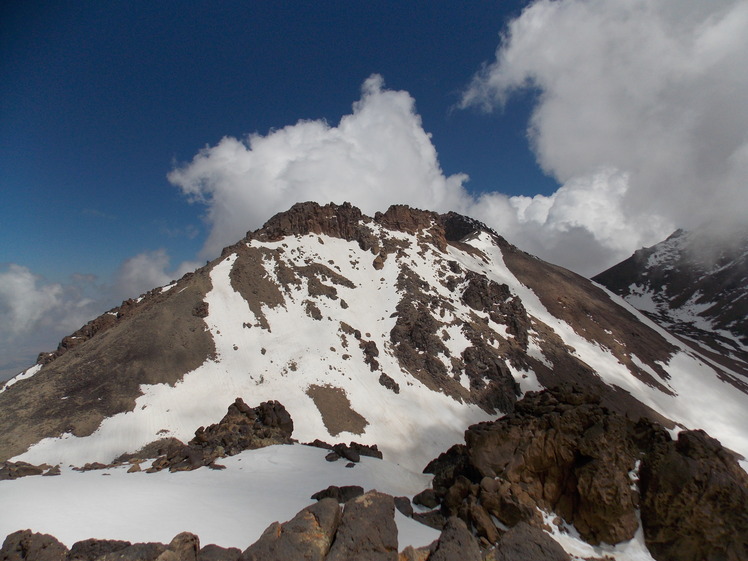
(26, 545)
(367, 530)
(308, 535)
(456, 543)
(94, 549)
(695, 500)
(242, 428)
(561, 452)
(340, 494)
(523, 542)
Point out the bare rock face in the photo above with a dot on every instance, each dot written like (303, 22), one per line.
(340, 494)
(340, 221)
(242, 428)
(695, 501)
(26, 545)
(135, 552)
(456, 543)
(183, 547)
(213, 552)
(86, 550)
(367, 530)
(307, 536)
(524, 542)
(14, 470)
(559, 452)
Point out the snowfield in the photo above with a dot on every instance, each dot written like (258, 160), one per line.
(230, 507)
(297, 352)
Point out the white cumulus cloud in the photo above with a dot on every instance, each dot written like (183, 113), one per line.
(640, 115)
(650, 94)
(376, 156)
(35, 314)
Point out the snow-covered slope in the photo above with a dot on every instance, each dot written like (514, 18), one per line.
(213, 504)
(695, 284)
(399, 330)
(372, 330)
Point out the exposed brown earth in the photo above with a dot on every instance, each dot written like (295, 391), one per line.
(158, 343)
(336, 411)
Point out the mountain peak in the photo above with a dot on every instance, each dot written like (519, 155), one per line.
(364, 328)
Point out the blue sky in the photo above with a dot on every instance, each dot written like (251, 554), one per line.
(138, 138)
(99, 100)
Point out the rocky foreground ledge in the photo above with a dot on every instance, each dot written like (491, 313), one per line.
(560, 453)
(363, 529)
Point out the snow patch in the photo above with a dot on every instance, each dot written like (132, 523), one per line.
(568, 538)
(25, 375)
(221, 507)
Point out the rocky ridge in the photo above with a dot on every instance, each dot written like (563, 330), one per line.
(461, 333)
(398, 331)
(695, 283)
(560, 453)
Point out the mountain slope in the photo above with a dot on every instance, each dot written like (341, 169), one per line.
(367, 329)
(696, 285)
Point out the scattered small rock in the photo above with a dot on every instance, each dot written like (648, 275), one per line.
(403, 505)
(341, 494)
(427, 498)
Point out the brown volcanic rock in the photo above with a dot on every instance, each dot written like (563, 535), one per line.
(524, 542)
(156, 341)
(213, 552)
(183, 547)
(242, 428)
(26, 545)
(559, 451)
(307, 536)
(456, 543)
(695, 501)
(14, 470)
(89, 550)
(367, 531)
(570, 455)
(341, 221)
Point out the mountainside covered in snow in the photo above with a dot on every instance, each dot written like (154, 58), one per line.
(695, 284)
(397, 331)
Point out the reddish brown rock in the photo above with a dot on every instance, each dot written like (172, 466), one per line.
(307, 536)
(89, 550)
(525, 542)
(367, 531)
(26, 545)
(694, 501)
(242, 428)
(456, 543)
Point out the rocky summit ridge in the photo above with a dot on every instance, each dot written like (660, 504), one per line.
(394, 332)
(694, 283)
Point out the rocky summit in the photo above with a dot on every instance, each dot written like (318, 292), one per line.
(392, 343)
(694, 283)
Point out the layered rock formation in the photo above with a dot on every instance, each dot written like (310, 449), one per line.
(561, 452)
